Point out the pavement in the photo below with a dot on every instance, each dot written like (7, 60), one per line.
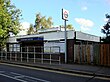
(90, 70)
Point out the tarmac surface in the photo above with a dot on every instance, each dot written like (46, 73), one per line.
(90, 70)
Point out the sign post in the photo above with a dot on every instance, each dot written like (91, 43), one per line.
(65, 14)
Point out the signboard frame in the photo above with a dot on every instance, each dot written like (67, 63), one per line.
(65, 14)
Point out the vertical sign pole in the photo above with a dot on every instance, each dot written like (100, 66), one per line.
(65, 42)
(65, 14)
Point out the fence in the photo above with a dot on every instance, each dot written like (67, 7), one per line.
(105, 54)
(98, 54)
(32, 54)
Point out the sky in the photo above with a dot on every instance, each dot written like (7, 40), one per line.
(85, 15)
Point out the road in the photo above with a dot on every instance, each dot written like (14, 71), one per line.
(14, 73)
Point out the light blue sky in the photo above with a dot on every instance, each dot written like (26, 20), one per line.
(85, 15)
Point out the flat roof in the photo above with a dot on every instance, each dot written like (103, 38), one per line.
(59, 35)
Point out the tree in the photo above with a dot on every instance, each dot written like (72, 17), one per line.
(106, 30)
(106, 27)
(49, 22)
(69, 26)
(37, 21)
(42, 23)
(46, 23)
(31, 30)
(9, 20)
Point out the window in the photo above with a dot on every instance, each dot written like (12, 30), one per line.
(14, 47)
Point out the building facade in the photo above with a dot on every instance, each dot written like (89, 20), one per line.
(52, 38)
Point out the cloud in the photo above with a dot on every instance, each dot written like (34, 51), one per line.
(84, 8)
(24, 27)
(85, 24)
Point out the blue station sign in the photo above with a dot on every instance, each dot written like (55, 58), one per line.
(30, 39)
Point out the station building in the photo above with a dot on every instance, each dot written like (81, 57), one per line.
(53, 37)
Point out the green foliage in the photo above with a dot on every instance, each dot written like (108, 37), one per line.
(106, 30)
(37, 21)
(31, 30)
(49, 22)
(69, 26)
(9, 20)
(42, 23)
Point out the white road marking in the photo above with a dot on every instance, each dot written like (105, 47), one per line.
(21, 76)
(13, 78)
(59, 72)
(16, 73)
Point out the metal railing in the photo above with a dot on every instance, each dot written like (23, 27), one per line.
(32, 54)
